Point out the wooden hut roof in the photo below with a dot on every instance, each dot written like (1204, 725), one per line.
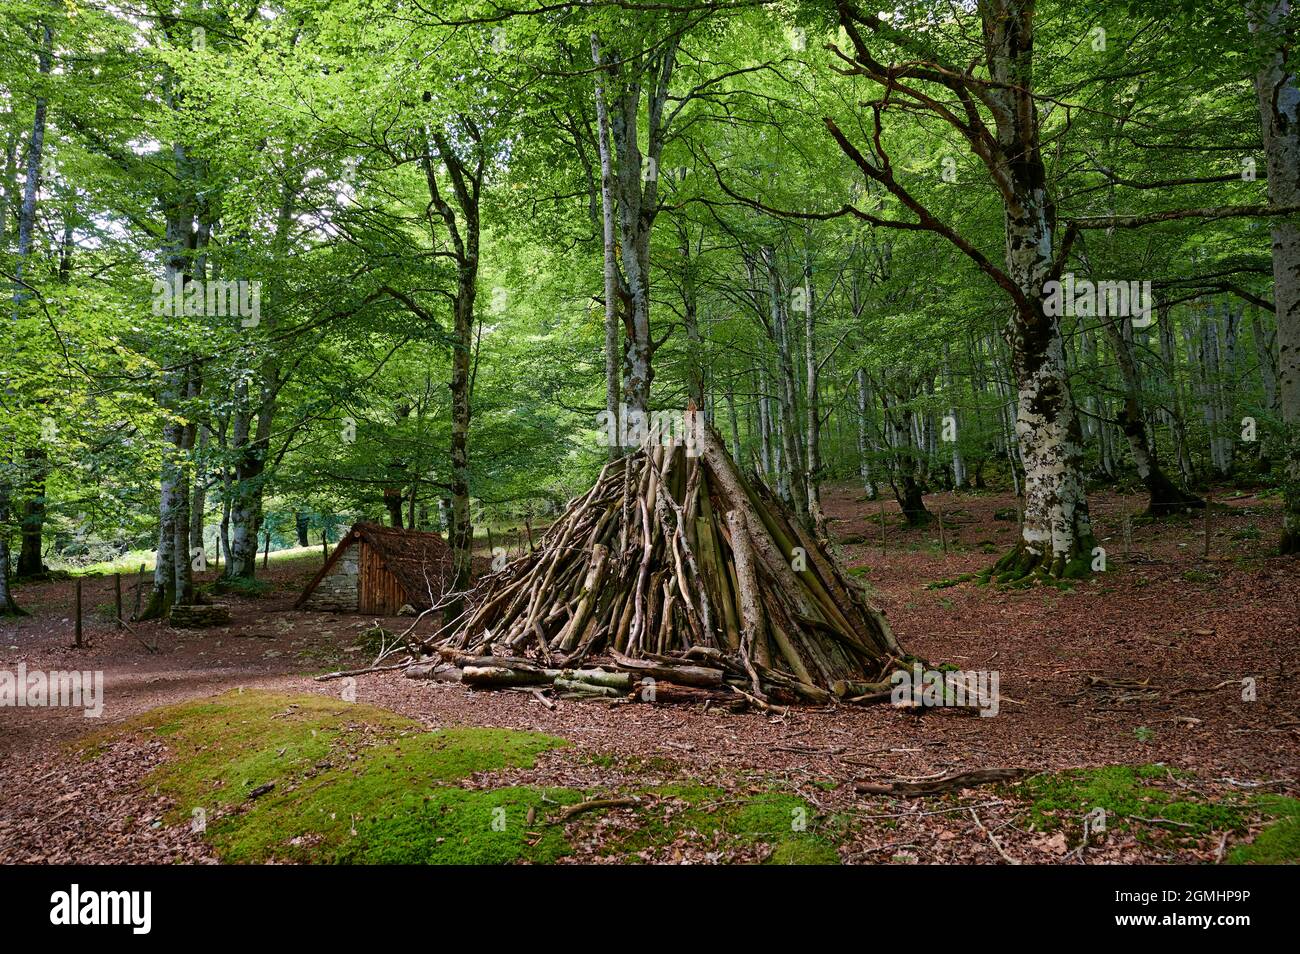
(419, 560)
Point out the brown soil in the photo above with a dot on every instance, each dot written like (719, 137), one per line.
(1192, 628)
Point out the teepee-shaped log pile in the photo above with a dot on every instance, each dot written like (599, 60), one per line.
(673, 557)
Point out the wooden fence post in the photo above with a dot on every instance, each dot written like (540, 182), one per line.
(139, 589)
(1205, 548)
(884, 545)
(78, 630)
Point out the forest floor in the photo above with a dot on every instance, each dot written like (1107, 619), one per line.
(1123, 691)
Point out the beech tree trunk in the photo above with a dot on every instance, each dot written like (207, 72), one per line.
(1164, 497)
(1279, 109)
(1265, 339)
(790, 476)
(635, 187)
(614, 292)
(864, 443)
(462, 535)
(178, 245)
(958, 462)
(30, 562)
(465, 165)
(254, 413)
(183, 566)
(695, 370)
(1057, 532)
(900, 427)
(7, 605)
(245, 496)
(199, 494)
(812, 409)
(26, 234)
(1173, 413)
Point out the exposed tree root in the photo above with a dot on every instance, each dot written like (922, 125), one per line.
(1023, 566)
(951, 782)
(1166, 499)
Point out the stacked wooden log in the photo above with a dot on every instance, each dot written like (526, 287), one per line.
(675, 567)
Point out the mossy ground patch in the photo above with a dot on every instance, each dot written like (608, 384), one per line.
(1148, 801)
(710, 815)
(312, 779)
(350, 782)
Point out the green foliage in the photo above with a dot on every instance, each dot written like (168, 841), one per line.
(297, 138)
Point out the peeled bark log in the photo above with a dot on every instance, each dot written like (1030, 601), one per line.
(562, 684)
(499, 677)
(620, 681)
(682, 675)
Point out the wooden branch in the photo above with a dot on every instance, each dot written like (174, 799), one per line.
(951, 782)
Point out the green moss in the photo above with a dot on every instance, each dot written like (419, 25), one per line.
(352, 783)
(770, 813)
(803, 851)
(223, 747)
(690, 792)
(786, 822)
(240, 586)
(635, 764)
(1132, 802)
(1061, 800)
(342, 782)
(455, 826)
(392, 805)
(1079, 568)
(1279, 843)
(955, 581)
